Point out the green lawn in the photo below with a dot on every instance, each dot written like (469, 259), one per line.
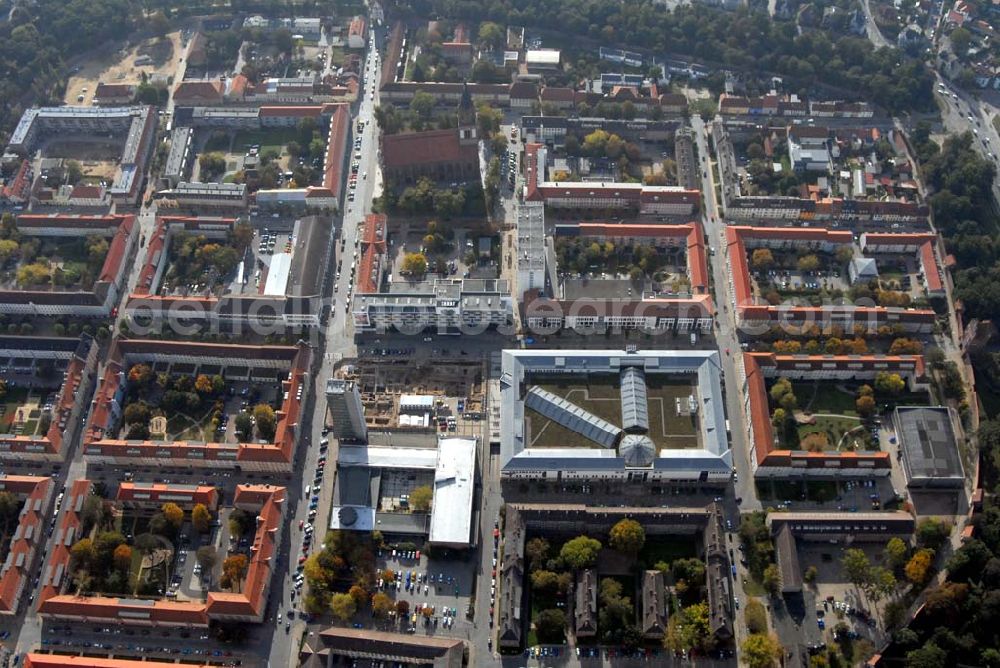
(267, 139)
(835, 428)
(824, 397)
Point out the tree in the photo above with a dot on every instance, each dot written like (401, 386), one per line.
(343, 606)
(895, 552)
(146, 542)
(105, 544)
(201, 518)
(545, 581)
(83, 552)
(918, 568)
(580, 552)
(691, 571)
(889, 383)
(689, 630)
(421, 498)
(779, 418)
(756, 616)
(358, 593)
(211, 165)
(234, 568)
(414, 264)
(137, 413)
(206, 557)
(537, 551)
(491, 35)
(74, 172)
(203, 384)
(627, 536)
(173, 514)
(857, 568)
(422, 104)
(772, 580)
(932, 532)
(550, 625)
(158, 23)
(780, 388)
(865, 406)
(33, 274)
(762, 259)
(8, 247)
(928, 656)
(760, 651)
(808, 263)
(844, 254)
(123, 557)
(810, 574)
(402, 608)
(381, 604)
(266, 422)
(244, 426)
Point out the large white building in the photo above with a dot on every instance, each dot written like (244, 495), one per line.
(631, 448)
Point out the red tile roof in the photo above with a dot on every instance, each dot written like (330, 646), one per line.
(154, 494)
(373, 238)
(35, 492)
(421, 148)
(357, 27)
(931, 272)
(761, 429)
(279, 451)
(336, 151)
(198, 91)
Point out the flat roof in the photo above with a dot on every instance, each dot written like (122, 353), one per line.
(454, 480)
(387, 457)
(277, 274)
(927, 438)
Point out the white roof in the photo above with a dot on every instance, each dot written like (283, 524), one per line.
(387, 457)
(454, 478)
(542, 56)
(277, 274)
(417, 400)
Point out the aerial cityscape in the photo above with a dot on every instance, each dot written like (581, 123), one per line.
(523, 333)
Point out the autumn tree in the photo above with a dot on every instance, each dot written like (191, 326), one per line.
(234, 568)
(689, 630)
(173, 514)
(358, 593)
(865, 406)
(421, 498)
(343, 606)
(414, 264)
(201, 518)
(381, 605)
(894, 553)
(123, 557)
(889, 383)
(206, 556)
(772, 580)
(762, 259)
(402, 607)
(918, 568)
(83, 552)
(760, 651)
(627, 536)
(755, 616)
(808, 263)
(537, 551)
(203, 384)
(266, 422)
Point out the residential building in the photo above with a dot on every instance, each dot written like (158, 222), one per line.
(444, 304)
(603, 195)
(76, 360)
(756, 314)
(103, 442)
(809, 148)
(836, 527)
(585, 608)
(113, 95)
(198, 93)
(350, 645)
(653, 617)
(208, 195)
(356, 32)
(94, 301)
(770, 461)
(180, 153)
(19, 567)
(531, 250)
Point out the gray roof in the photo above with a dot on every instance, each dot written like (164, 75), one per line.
(927, 439)
(635, 412)
(572, 417)
(637, 450)
(519, 367)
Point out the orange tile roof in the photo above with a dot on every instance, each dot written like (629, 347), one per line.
(155, 493)
(198, 91)
(762, 430)
(931, 272)
(67, 532)
(336, 151)
(97, 440)
(35, 493)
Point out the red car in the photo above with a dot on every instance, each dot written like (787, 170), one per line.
(302, 559)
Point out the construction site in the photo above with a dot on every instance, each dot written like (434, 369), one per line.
(420, 396)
